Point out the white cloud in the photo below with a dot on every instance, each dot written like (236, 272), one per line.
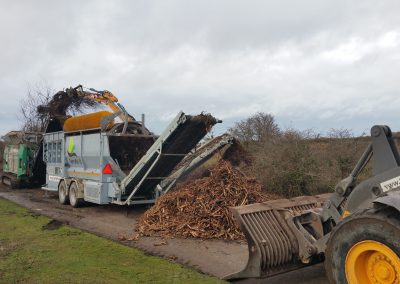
(356, 48)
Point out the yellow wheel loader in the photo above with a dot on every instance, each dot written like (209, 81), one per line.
(355, 230)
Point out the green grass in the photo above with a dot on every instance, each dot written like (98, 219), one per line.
(31, 254)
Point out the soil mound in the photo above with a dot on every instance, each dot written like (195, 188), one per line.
(237, 155)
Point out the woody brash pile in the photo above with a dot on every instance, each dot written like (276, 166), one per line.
(200, 208)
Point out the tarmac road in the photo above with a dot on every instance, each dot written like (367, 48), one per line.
(213, 257)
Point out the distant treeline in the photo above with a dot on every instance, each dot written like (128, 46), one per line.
(292, 162)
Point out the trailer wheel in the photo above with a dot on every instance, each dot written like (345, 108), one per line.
(365, 249)
(62, 193)
(73, 196)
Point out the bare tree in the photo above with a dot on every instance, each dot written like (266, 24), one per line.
(340, 133)
(43, 103)
(29, 116)
(259, 127)
(344, 149)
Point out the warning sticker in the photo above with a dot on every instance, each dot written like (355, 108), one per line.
(54, 178)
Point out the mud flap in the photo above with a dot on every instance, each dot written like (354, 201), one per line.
(273, 247)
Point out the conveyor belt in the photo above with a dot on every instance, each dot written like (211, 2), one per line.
(181, 136)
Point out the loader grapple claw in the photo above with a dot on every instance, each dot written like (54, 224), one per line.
(273, 247)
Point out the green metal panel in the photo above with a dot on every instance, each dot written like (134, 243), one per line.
(22, 160)
(15, 159)
(20, 156)
(11, 159)
(5, 158)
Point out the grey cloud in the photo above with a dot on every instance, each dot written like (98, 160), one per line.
(312, 63)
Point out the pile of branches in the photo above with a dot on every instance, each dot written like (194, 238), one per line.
(200, 208)
(70, 100)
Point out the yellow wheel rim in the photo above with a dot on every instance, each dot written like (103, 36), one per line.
(372, 262)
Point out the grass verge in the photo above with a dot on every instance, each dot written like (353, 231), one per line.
(35, 250)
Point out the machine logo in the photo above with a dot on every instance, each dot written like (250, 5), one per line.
(390, 184)
(72, 157)
(71, 147)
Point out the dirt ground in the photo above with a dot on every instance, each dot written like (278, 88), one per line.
(213, 257)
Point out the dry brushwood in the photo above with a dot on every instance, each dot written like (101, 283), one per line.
(200, 208)
(65, 101)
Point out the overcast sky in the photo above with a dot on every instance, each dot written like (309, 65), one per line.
(313, 64)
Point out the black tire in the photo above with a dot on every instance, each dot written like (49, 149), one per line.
(63, 193)
(15, 184)
(381, 226)
(10, 181)
(73, 196)
(133, 128)
(6, 181)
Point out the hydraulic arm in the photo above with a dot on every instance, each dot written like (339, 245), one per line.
(288, 234)
(107, 98)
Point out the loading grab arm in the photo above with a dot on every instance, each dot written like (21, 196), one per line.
(386, 157)
(107, 98)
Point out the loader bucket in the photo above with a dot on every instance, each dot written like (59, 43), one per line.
(273, 247)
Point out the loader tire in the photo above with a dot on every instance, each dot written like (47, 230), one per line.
(365, 248)
(73, 196)
(62, 193)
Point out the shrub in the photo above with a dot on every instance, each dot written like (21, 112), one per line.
(293, 163)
